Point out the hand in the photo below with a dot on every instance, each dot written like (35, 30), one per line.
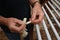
(15, 25)
(37, 14)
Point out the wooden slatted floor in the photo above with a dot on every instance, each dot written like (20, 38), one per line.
(43, 33)
(55, 24)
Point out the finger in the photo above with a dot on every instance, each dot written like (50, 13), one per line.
(22, 27)
(39, 20)
(17, 29)
(14, 29)
(20, 22)
(41, 16)
(33, 15)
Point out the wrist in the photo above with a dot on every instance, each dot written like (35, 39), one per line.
(35, 3)
(3, 20)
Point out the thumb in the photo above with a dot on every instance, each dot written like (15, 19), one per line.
(33, 16)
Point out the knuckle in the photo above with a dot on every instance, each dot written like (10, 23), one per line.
(23, 23)
(18, 30)
(39, 21)
(42, 14)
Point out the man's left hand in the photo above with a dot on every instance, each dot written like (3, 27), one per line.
(37, 14)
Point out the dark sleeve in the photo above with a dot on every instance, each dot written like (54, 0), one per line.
(3, 8)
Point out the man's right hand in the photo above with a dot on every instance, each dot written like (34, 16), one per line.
(11, 23)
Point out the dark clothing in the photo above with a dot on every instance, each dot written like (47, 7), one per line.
(14, 8)
(16, 36)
